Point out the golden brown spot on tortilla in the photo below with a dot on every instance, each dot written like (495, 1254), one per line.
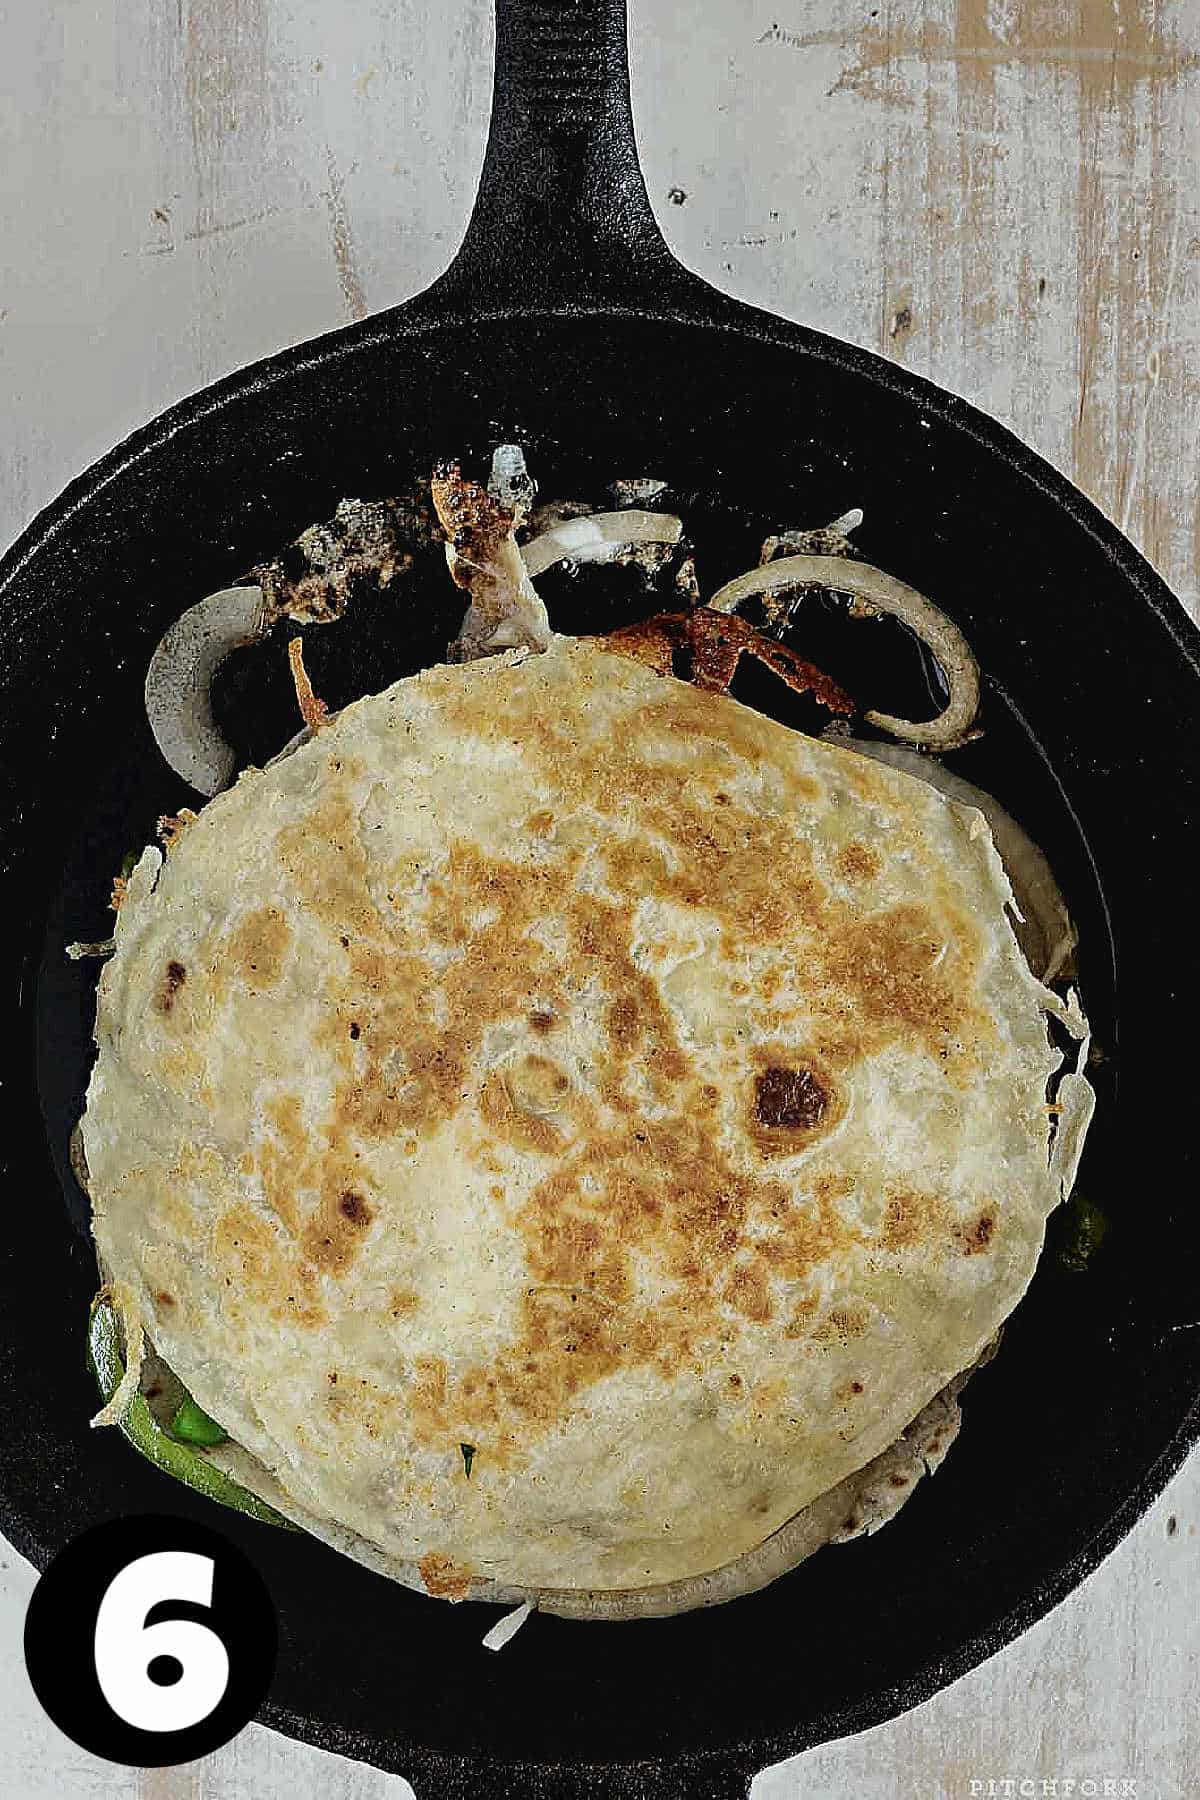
(902, 982)
(912, 1220)
(770, 982)
(898, 1481)
(286, 1116)
(512, 1123)
(429, 1396)
(858, 862)
(844, 1322)
(536, 1083)
(264, 1275)
(747, 1292)
(281, 1158)
(752, 869)
(445, 1579)
(624, 1023)
(403, 1301)
(636, 865)
(173, 979)
(330, 1238)
(541, 1022)
(354, 1208)
(807, 1231)
(162, 1298)
(732, 734)
(803, 1313)
(540, 823)
(257, 948)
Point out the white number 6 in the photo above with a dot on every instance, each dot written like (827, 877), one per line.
(125, 1645)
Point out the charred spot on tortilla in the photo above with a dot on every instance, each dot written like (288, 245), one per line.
(173, 979)
(977, 1236)
(795, 1100)
(789, 1097)
(354, 1208)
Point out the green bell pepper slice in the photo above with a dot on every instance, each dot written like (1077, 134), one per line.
(138, 1425)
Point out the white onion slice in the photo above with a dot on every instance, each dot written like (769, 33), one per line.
(178, 705)
(864, 582)
(507, 1628)
(597, 537)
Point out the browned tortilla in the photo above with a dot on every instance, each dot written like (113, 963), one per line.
(556, 1061)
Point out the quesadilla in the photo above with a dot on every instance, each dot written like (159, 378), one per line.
(566, 1126)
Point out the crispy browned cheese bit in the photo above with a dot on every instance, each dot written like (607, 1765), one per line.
(313, 711)
(484, 558)
(705, 648)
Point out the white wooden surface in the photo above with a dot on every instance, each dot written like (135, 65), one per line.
(1001, 193)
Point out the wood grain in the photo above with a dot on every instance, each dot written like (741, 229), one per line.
(1001, 194)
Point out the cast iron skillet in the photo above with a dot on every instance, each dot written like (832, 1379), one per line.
(565, 324)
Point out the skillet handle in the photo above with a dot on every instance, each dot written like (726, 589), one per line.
(561, 215)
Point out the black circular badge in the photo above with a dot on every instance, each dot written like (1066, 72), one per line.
(150, 1640)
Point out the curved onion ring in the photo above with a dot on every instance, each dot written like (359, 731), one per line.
(889, 595)
(597, 536)
(178, 680)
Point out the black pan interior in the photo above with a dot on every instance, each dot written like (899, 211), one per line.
(1090, 700)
